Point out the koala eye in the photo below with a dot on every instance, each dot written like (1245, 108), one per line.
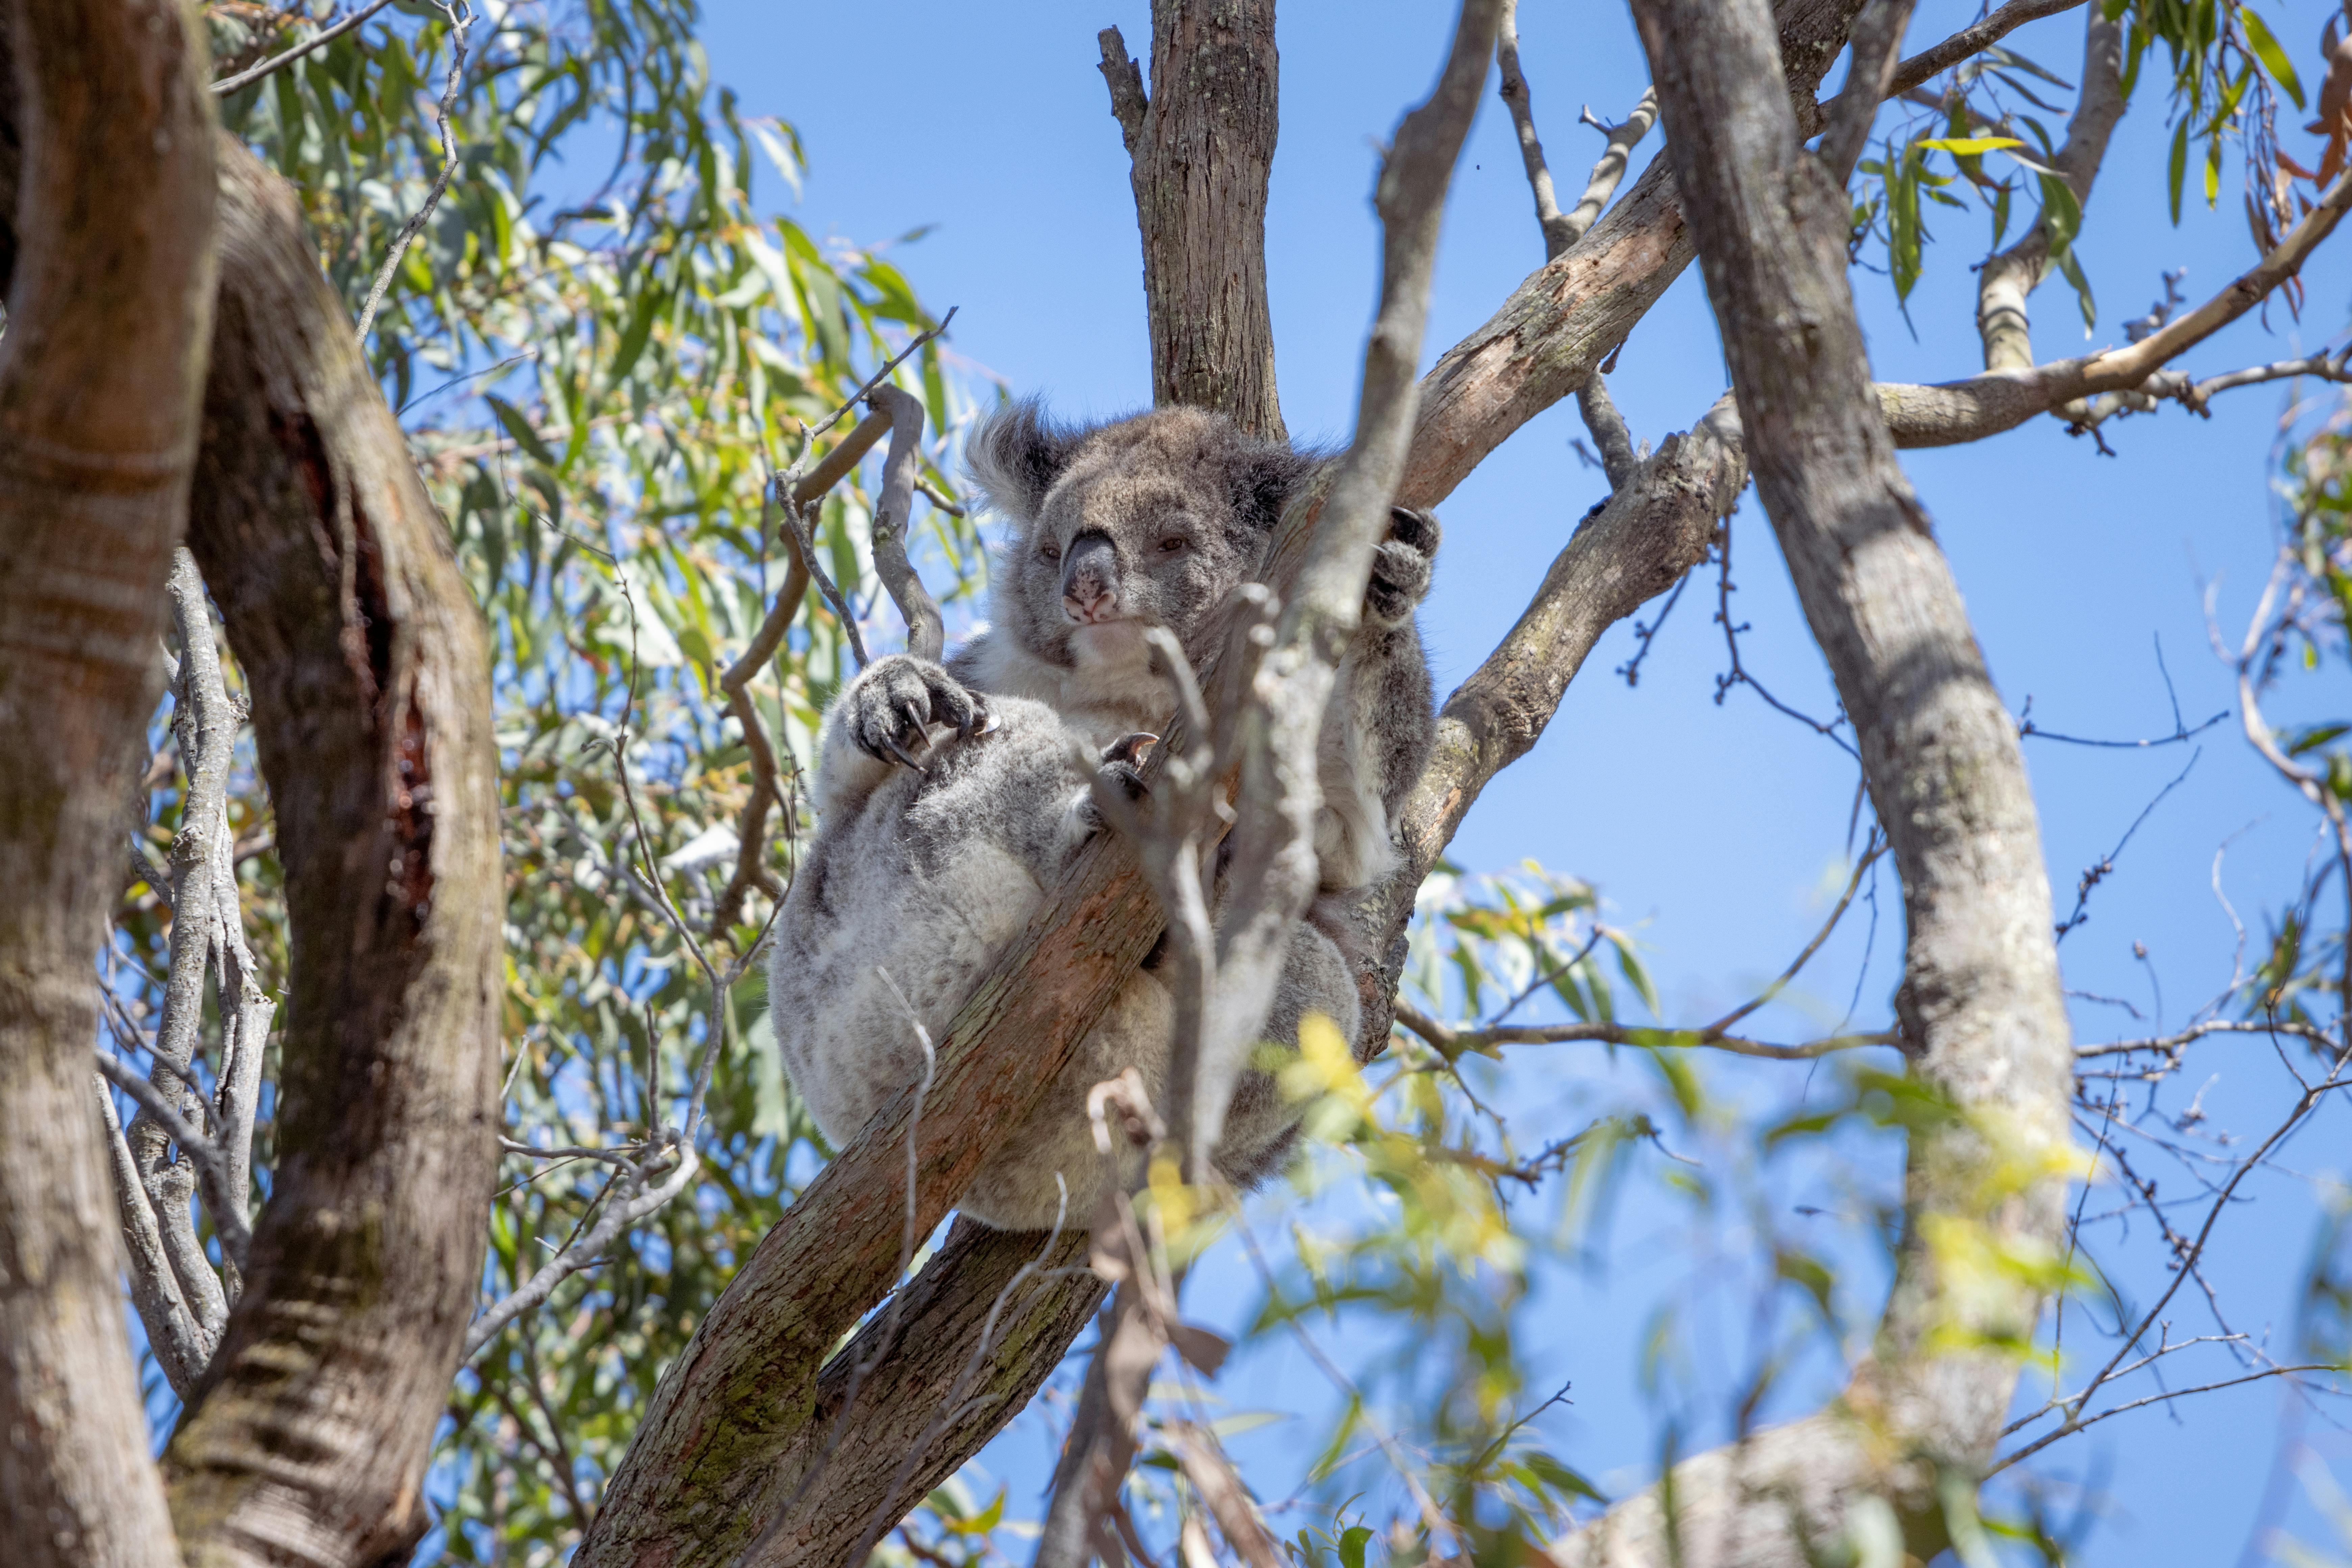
(1174, 544)
(1050, 551)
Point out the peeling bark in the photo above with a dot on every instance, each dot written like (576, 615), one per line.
(370, 709)
(111, 255)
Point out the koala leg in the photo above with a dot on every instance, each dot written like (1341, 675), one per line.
(881, 719)
(1262, 1124)
(1401, 567)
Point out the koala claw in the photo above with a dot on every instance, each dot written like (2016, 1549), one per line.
(1122, 764)
(1401, 566)
(892, 707)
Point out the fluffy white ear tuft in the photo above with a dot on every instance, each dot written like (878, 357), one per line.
(1016, 454)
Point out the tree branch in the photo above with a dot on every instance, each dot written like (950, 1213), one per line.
(1877, 39)
(1928, 63)
(1623, 137)
(925, 637)
(2007, 279)
(1202, 148)
(1557, 235)
(362, 651)
(110, 235)
(1982, 1017)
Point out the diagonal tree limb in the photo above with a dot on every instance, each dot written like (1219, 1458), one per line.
(371, 713)
(180, 1345)
(110, 240)
(1929, 63)
(1558, 235)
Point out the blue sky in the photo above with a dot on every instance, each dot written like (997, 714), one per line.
(1710, 828)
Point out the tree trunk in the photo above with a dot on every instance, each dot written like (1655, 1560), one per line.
(372, 716)
(1202, 147)
(1983, 1021)
(110, 304)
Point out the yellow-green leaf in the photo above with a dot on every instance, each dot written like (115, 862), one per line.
(1969, 146)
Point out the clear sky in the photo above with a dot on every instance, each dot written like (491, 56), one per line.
(1710, 827)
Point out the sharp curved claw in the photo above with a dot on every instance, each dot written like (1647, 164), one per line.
(900, 751)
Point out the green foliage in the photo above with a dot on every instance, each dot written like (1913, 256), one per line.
(598, 379)
(2227, 71)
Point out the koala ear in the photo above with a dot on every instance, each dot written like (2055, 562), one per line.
(1016, 454)
(1264, 479)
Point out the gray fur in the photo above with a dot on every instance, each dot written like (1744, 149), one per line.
(1150, 520)
(1099, 508)
(928, 876)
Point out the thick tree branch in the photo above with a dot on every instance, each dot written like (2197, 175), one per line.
(1202, 146)
(1980, 1010)
(371, 713)
(110, 240)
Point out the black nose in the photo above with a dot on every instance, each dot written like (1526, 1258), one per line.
(1090, 579)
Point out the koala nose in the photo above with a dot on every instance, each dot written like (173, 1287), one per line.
(1090, 580)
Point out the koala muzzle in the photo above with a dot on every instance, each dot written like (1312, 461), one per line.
(1090, 580)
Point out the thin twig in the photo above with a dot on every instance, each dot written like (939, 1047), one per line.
(1927, 63)
(1453, 1041)
(317, 40)
(234, 1233)
(1513, 91)
(460, 15)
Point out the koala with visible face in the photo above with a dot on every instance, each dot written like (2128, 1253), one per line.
(948, 798)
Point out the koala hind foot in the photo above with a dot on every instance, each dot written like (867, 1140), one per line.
(894, 704)
(1401, 566)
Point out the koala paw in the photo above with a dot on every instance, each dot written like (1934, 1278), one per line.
(894, 704)
(1118, 778)
(1400, 567)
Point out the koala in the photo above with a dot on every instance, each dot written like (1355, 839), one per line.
(948, 796)
(1155, 518)
(927, 875)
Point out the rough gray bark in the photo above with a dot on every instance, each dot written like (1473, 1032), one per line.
(112, 251)
(1982, 1019)
(1202, 145)
(371, 711)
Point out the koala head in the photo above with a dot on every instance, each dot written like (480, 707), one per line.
(1151, 519)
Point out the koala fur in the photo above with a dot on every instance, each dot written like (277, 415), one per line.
(949, 796)
(927, 875)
